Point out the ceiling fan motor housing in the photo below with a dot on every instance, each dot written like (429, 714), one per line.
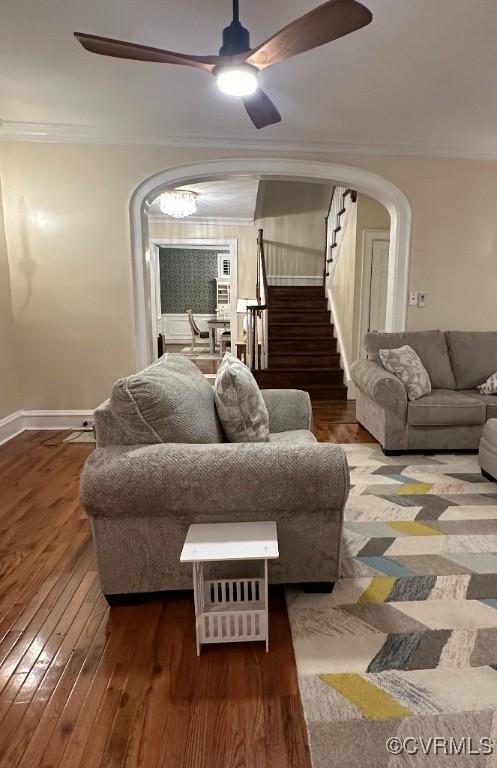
(236, 39)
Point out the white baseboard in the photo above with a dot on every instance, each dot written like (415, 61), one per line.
(56, 419)
(351, 390)
(10, 426)
(20, 421)
(295, 280)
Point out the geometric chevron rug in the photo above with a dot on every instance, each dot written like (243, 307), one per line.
(405, 647)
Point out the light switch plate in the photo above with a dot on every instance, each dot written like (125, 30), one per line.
(413, 299)
(421, 299)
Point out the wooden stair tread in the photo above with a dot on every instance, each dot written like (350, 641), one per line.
(300, 369)
(306, 352)
(292, 339)
(297, 310)
(302, 346)
(307, 325)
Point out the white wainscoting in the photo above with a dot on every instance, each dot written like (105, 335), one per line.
(176, 327)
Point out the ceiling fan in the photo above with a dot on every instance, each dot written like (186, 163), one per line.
(238, 65)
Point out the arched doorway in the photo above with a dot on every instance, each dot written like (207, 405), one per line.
(364, 181)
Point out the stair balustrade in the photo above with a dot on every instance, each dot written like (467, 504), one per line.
(336, 225)
(257, 315)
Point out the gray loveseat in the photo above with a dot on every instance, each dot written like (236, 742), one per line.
(142, 493)
(453, 415)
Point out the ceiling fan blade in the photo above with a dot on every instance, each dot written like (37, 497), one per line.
(325, 23)
(261, 109)
(120, 49)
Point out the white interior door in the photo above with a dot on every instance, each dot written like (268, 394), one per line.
(379, 284)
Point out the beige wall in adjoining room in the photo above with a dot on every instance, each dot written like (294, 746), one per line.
(10, 384)
(342, 288)
(346, 287)
(66, 209)
(292, 215)
(244, 234)
(370, 215)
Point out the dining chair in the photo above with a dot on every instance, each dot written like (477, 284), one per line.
(225, 341)
(195, 330)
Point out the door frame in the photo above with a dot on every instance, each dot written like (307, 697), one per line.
(369, 237)
(264, 166)
(201, 244)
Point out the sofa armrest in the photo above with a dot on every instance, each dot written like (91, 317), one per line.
(176, 479)
(380, 385)
(288, 409)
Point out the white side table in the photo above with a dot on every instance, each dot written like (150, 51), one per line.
(230, 610)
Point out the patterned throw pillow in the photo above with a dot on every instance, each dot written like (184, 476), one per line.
(239, 403)
(489, 387)
(404, 362)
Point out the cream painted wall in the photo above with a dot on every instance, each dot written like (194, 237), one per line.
(10, 385)
(342, 288)
(246, 236)
(346, 288)
(292, 215)
(370, 215)
(67, 225)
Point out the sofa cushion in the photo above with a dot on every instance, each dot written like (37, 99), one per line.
(292, 436)
(404, 363)
(239, 403)
(445, 408)
(169, 402)
(473, 355)
(489, 401)
(429, 345)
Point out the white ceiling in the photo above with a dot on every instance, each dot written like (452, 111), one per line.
(422, 77)
(233, 199)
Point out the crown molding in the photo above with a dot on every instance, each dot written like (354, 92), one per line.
(222, 221)
(80, 134)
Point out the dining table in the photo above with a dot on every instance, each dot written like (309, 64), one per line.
(213, 325)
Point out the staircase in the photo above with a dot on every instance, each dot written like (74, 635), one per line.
(302, 349)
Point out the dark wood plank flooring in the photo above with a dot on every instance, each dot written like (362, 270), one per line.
(83, 685)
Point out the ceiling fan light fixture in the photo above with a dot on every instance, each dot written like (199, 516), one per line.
(238, 80)
(178, 203)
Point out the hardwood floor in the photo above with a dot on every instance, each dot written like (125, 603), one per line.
(83, 685)
(335, 422)
(206, 366)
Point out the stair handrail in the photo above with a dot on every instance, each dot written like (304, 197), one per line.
(258, 312)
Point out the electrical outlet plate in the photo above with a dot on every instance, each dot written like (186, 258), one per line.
(413, 298)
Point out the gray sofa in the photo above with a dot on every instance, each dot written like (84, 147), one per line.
(453, 415)
(142, 493)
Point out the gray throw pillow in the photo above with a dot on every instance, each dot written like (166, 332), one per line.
(169, 402)
(489, 387)
(404, 363)
(239, 403)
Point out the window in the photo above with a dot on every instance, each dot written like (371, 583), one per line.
(223, 265)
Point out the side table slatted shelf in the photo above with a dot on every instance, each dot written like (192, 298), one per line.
(230, 610)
